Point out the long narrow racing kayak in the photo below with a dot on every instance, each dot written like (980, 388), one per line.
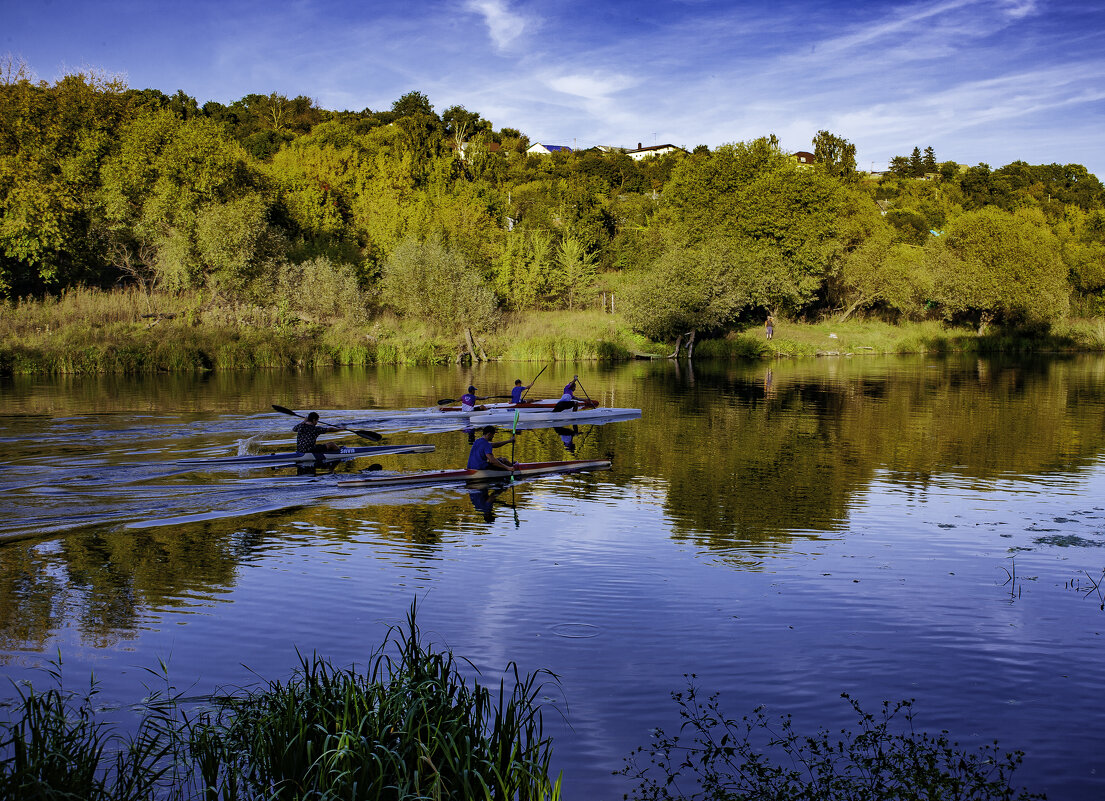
(265, 459)
(566, 417)
(524, 407)
(467, 476)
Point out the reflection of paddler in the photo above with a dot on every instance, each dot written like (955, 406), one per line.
(484, 501)
(567, 436)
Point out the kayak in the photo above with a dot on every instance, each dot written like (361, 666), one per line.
(264, 459)
(467, 476)
(524, 407)
(566, 417)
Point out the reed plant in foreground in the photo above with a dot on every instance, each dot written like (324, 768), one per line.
(409, 727)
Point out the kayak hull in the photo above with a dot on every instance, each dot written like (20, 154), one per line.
(265, 459)
(566, 417)
(469, 476)
(524, 407)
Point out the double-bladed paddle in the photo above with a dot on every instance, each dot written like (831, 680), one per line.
(372, 435)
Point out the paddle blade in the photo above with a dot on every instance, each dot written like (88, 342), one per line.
(282, 410)
(446, 401)
(372, 435)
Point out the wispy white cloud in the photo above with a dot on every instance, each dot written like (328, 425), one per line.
(505, 25)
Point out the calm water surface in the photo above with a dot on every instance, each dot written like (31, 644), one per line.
(786, 532)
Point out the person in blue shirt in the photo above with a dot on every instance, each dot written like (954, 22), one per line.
(469, 398)
(568, 400)
(516, 393)
(482, 456)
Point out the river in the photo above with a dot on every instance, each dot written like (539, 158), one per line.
(894, 528)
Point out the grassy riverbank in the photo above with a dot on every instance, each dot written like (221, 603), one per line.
(128, 331)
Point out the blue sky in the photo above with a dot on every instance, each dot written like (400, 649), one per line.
(979, 80)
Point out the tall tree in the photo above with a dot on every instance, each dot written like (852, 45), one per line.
(928, 161)
(835, 154)
(916, 163)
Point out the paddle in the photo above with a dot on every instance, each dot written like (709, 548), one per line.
(447, 401)
(513, 433)
(534, 381)
(585, 392)
(372, 435)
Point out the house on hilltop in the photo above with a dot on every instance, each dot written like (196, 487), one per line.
(803, 157)
(538, 149)
(656, 150)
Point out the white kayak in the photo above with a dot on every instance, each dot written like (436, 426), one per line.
(525, 407)
(468, 476)
(266, 459)
(567, 417)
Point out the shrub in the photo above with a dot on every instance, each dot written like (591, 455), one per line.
(885, 759)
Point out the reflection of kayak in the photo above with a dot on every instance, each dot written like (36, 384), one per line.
(566, 417)
(264, 459)
(454, 476)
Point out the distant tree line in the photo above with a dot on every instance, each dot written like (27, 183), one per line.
(441, 216)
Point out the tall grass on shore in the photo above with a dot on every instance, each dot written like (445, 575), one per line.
(410, 727)
(131, 331)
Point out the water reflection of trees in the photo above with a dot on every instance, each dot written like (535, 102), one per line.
(765, 454)
(751, 457)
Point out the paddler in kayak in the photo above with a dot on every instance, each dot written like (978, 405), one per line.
(306, 434)
(468, 400)
(516, 393)
(482, 456)
(568, 400)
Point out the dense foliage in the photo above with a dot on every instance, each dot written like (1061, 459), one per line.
(275, 201)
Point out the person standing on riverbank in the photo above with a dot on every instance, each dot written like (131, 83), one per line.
(307, 434)
(769, 326)
(482, 455)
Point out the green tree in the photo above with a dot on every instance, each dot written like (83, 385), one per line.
(916, 164)
(236, 244)
(993, 266)
(928, 161)
(431, 282)
(575, 271)
(899, 167)
(884, 274)
(154, 188)
(705, 287)
(835, 154)
(53, 139)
